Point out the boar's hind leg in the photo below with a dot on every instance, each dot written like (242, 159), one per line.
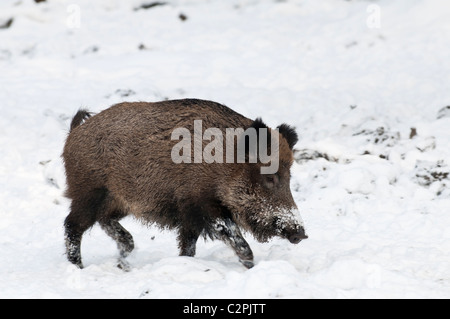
(84, 212)
(122, 237)
(228, 231)
(73, 244)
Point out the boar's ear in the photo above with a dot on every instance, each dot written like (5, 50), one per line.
(252, 142)
(258, 123)
(289, 134)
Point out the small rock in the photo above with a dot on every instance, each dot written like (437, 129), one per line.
(444, 112)
(182, 17)
(7, 24)
(150, 5)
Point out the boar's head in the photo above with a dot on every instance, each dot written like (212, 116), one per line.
(261, 202)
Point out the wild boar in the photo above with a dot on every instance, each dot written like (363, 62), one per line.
(121, 162)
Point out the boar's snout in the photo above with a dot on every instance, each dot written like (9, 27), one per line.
(298, 236)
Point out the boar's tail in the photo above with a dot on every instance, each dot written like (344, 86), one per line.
(79, 118)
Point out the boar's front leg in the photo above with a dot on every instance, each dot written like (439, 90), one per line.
(123, 239)
(187, 240)
(228, 231)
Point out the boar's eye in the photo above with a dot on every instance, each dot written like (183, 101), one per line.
(271, 180)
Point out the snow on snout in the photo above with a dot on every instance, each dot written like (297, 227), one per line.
(289, 219)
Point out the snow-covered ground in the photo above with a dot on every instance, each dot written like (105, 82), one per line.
(366, 83)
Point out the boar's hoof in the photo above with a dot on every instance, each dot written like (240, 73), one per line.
(247, 263)
(124, 265)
